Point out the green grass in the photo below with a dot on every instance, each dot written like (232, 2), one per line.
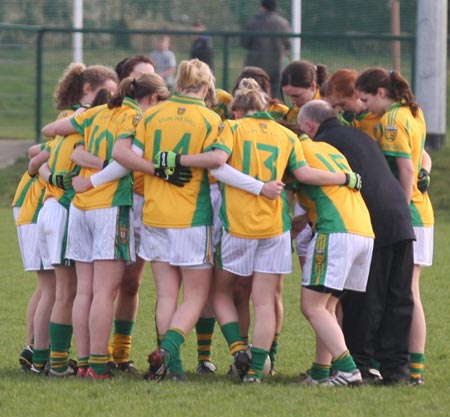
(126, 395)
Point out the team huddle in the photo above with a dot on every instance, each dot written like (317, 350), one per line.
(212, 189)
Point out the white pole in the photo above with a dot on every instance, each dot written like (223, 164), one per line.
(431, 68)
(77, 37)
(296, 27)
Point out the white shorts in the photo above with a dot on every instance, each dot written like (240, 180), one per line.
(52, 232)
(303, 239)
(338, 261)
(216, 201)
(138, 204)
(244, 256)
(27, 236)
(100, 234)
(423, 246)
(179, 247)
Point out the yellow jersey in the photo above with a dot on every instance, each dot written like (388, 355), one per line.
(100, 128)
(401, 135)
(260, 147)
(184, 125)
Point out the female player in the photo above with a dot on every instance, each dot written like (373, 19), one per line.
(78, 87)
(341, 94)
(256, 232)
(100, 239)
(178, 244)
(301, 82)
(401, 136)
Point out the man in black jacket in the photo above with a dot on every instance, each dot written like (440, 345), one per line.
(376, 323)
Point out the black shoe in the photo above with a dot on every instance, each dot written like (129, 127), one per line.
(26, 359)
(127, 367)
(241, 363)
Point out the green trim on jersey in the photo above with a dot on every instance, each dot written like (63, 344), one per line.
(329, 219)
(203, 214)
(19, 201)
(39, 205)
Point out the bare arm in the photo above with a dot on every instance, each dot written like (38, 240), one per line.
(34, 150)
(314, 176)
(37, 161)
(129, 157)
(406, 176)
(45, 171)
(59, 127)
(426, 161)
(81, 157)
(207, 160)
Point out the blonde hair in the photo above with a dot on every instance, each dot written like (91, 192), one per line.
(249, 97)
(70, 86)
(193, 75)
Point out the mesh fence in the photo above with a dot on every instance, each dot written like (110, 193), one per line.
(347, 33)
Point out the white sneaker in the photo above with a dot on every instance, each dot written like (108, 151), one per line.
(339, 378)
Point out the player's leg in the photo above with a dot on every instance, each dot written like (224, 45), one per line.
(242, 292)
(125, 314)
(264, 288)
(26, 356)
(127, 302)
(106, 280)
(418, 333)
(196, 286)
(41, 353)
(80, 314)
(204, 329)
(423, 256)
(279, 314)
(61, 327)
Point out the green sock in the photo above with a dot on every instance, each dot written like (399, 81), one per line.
(83, 362)
(245, 340)
(416, 364)
(259, 357)
(319, 371)
(344, 362)
(40, 357)
(274, 348)
(233, 337)
(205, 330)
(98, 363)
(60, 336)
(172, 342)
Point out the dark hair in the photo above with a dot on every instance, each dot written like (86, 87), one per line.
(125, 67)
(397, 88)
(70, 87)
(136, 89)
(303, 73)
(269, 5)
(101, 97)
(261, 77)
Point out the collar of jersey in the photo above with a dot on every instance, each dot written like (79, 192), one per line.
(260, 115)
(178, 98)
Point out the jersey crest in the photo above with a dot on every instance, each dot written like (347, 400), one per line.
(390, 133)
(136, 120)
(181, 110)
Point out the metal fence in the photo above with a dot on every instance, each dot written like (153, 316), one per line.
(32, 58)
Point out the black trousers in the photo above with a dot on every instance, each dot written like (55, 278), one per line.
(377, 323)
